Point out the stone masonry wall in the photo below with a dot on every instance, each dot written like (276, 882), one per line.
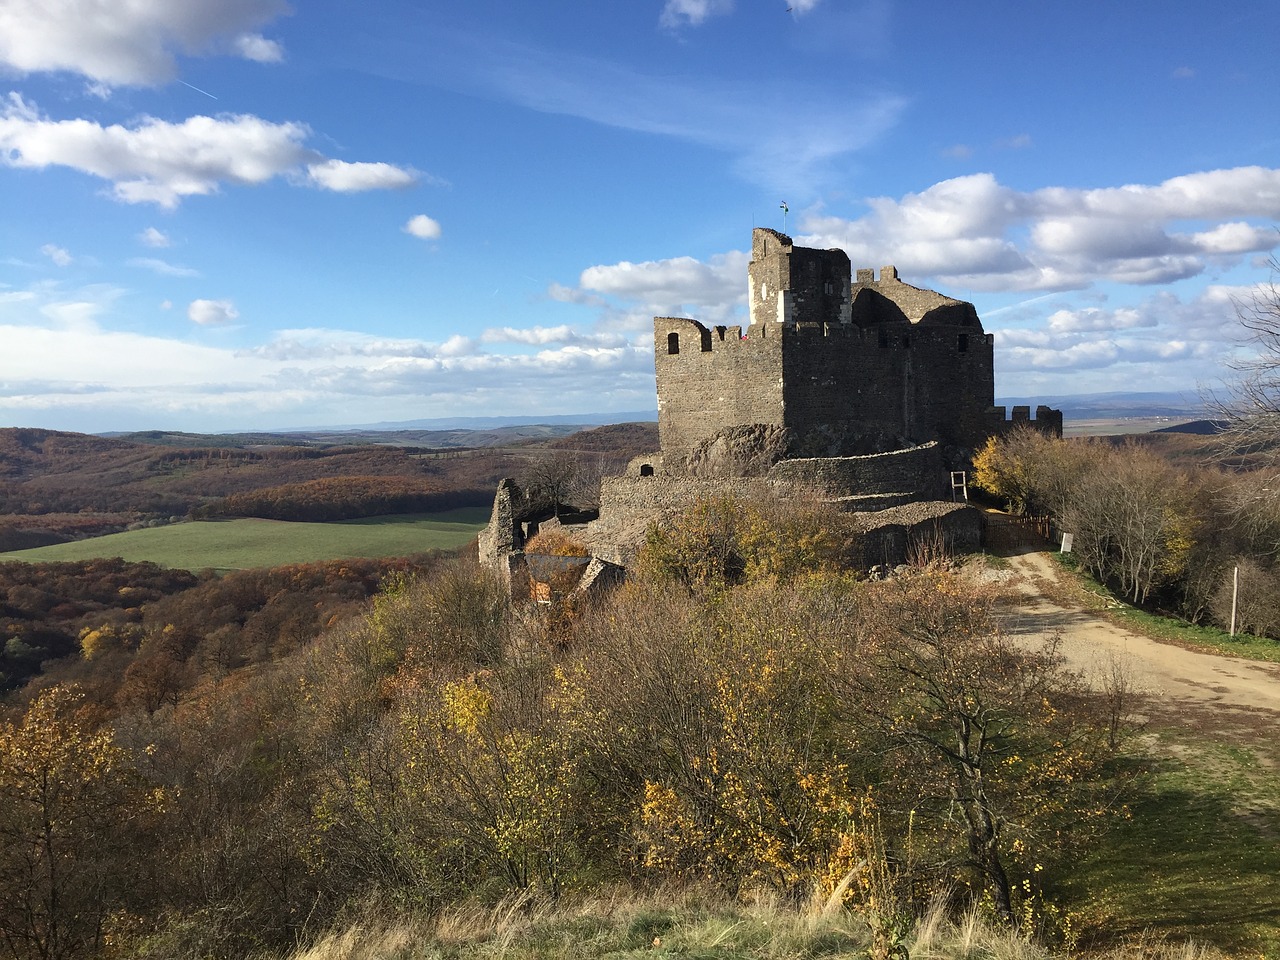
(789, 284)
(710, 378)
(916, 383)
(917, 471)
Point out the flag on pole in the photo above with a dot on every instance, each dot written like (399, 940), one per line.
(785, 208)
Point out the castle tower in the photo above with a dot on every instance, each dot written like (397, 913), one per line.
(789, 284)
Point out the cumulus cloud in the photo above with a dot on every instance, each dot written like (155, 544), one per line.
(346, 177)
(53, 371)
(155, 161)
(151, 237)
(422, 227)
(543, 336)
(254, 46)
(212, 313)
(57, 254)
(679, 284)
(1161, 342)
(972, 231)
(130, 42)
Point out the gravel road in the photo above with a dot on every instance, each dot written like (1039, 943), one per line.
(1219, 693)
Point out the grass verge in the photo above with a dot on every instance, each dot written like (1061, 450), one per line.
(250, 544)
(1167, 629)
(1198, 857)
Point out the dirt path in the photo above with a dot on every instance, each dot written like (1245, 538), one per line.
(1224, 693)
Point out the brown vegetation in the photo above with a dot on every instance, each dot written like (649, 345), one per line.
(799, 734)
(1160, 534)
(58, 486)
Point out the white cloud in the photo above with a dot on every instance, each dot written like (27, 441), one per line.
(155, 161)
(1159, 343)
(1093, 319)
(422, 227)
(671, 287)
(346, 177)
(1233, 238)
(974, 232)
(53, 371)
(57, 254)
(129, 42)
(254, 46)
(151, 237)
(542, 336)
(212, 313)
(163, 267)
(679, 13)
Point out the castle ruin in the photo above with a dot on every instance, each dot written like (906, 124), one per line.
(862, 391)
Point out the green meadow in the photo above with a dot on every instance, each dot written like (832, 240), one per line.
(248, 544)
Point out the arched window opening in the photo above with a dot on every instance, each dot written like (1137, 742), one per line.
(673, 343)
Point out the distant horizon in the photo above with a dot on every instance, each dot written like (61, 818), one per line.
(1106, 404)
(251, 215)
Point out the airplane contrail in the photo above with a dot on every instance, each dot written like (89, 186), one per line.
(198, 90)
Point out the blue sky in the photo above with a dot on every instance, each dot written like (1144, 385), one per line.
(240, 214)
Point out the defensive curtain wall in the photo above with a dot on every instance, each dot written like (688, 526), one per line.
(861, 391)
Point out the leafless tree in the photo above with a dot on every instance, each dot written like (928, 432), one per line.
(1250, 404)
(552, 480)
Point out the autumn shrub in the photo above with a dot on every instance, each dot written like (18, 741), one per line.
(555, 543)
(72, 811)
(723, 541)
(724, 738)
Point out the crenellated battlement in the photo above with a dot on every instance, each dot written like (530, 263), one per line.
(864, 361)
(1047, 420)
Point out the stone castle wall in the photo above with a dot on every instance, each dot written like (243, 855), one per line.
(710, 378)
(843, 389)
(917, 473)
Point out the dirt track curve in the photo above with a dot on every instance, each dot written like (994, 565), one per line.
(1221, 693)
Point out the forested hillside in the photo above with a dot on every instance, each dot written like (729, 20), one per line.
(58, 486)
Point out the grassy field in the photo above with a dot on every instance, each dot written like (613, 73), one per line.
(247, 544)
(1197, 857)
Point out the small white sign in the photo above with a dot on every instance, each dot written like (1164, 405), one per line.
(1066, 543)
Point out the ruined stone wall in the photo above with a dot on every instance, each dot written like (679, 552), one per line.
(1047, 420)
(917, 472)
(888, 298)
(622, 499)
(710, 378)
(899, 380)
(918, 531)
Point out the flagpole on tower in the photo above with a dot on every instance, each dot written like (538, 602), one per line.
(785, 210)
